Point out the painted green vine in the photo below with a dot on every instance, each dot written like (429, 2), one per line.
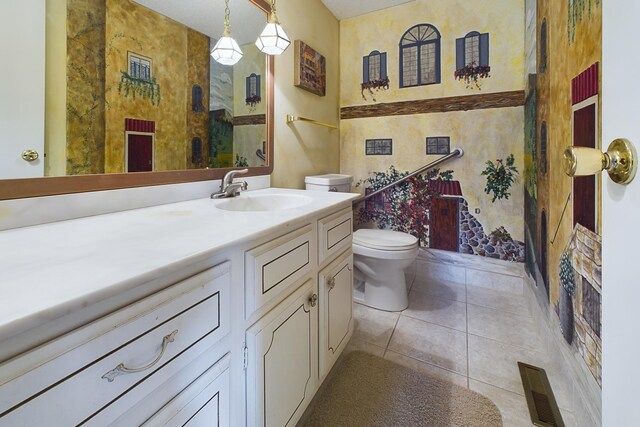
(576, 11)
(500, 177)
(139, 87)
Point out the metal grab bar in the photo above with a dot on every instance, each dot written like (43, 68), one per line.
(457, 152)
(291, 118)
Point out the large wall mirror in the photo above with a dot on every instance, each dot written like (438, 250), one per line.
(131, 96)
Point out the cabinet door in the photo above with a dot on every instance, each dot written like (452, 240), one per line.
(335, 284)
(282, 361)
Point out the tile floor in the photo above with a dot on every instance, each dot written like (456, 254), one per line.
(469, 324)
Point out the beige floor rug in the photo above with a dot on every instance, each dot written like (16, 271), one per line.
(367, 390)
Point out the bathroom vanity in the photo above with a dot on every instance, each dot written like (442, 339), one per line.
(206, 312)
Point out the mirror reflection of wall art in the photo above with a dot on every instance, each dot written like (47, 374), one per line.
(310, 71)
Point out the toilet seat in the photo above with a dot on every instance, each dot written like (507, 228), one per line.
(385, 240)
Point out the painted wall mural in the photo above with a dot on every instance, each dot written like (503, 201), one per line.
(563, 214)
(447, 209)
(432, 208)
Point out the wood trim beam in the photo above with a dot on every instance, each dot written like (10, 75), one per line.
(437, 105)
(255, 119)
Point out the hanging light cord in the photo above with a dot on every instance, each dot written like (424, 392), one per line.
(226, 14)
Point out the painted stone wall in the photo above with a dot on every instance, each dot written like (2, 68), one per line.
(485, 134)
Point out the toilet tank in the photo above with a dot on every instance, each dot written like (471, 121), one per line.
(329, 182)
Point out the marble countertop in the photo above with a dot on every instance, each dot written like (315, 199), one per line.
(50, 270)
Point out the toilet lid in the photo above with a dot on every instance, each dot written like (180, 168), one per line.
(384, 239)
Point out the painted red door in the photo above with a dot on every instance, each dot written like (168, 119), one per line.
(140, 153)
(444, 224)
(584, 187)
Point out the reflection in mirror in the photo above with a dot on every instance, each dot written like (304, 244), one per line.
(142, 93)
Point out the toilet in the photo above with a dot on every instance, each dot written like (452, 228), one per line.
(380, 258)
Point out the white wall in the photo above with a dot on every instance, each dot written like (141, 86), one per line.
(22, 49)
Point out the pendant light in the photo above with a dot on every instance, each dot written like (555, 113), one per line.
(273, 40)
(226, 51)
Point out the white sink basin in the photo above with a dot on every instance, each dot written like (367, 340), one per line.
(263, 202)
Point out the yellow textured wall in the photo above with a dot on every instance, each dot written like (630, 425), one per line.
(130, 27)
(566, 61)
(55, 125)
(382, 30)
(483, 134)
(197, 122)
(303, 149)
(85, 87)
(408, 133)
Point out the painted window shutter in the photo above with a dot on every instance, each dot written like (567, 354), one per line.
(460, 53)
(383, 66)
(365, 69)
(484, 49)
(258, 85)
(248, 82)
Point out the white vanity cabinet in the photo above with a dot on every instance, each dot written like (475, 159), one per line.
(131, 361)
(281, 360)
(335, 286)
(297, 333)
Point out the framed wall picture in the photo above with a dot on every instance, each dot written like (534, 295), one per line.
(310, 71)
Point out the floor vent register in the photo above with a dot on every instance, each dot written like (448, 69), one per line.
(542, 404)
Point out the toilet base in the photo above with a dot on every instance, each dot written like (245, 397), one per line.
(379, 294)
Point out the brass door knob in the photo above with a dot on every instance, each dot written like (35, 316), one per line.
(30, 155)
(620, 161)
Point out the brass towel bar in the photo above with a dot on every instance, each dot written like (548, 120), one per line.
(291, 118)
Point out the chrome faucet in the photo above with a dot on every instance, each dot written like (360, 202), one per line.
(228, 188)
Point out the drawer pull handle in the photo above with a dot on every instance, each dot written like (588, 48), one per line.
(331, 283)
(121, 369)
(313, 300)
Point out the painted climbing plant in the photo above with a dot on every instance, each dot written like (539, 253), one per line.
(577, 10)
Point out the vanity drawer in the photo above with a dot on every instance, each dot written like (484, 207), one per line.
(205, 402)
(126, 354)
(275, 266)
(334, 234)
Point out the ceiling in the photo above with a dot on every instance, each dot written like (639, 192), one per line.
(343, 9)
(207, 16)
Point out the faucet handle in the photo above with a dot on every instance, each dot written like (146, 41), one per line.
(244, 186)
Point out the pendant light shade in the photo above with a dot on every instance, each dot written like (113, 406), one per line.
(273, 40)
(226, 51)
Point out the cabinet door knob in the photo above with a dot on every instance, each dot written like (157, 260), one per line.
(30, 155)
(331, 283)
(313, 300)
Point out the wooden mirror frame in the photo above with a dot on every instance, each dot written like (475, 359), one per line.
(55, 185)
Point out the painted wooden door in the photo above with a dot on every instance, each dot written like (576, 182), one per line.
(444, 224)
(335, 284)
(139, 153)
(282, 360)
(22, 87)
(584, 187)
(620, 234)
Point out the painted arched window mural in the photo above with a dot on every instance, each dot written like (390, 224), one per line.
(374, 67)
(420, 56)
(543, 148)
(196, 150)
(543, 46)
(196, 99)
(472, 50)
